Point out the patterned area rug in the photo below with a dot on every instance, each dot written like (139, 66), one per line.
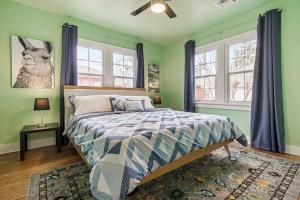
(252, 176)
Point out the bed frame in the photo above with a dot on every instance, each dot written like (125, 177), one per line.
(79, 90)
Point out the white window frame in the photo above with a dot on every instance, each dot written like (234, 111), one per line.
(91, 74)
(206, 49)
(134, 67)
(222, 78)
(108, 50)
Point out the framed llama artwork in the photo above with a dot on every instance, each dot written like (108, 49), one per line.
(32, 63)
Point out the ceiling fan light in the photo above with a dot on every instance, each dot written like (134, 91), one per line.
(158, 6)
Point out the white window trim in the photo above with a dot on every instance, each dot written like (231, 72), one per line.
(108, 50)
(224, 106)
(222, 84)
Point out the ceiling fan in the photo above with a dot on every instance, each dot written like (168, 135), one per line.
(157, 6)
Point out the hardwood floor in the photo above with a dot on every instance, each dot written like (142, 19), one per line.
(14, 174)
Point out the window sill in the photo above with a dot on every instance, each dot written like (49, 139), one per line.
(224, 106)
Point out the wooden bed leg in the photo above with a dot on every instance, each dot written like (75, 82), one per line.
(228, 152)
(70, 144)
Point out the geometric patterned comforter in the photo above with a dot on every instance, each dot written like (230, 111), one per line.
(123, 148)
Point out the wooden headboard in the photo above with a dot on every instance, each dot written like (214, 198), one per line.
(87, 91)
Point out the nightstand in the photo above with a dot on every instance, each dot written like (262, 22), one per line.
(31, 129)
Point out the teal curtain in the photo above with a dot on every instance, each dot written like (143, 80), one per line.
(68, 66)
(267, 123)
(189, 86)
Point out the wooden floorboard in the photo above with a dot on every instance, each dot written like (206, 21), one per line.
(14, 174)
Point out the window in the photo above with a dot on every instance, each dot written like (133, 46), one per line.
(123, 70)
(89, 66)
(224, 72)
(205, 74)
(240, 72)
(105, 65)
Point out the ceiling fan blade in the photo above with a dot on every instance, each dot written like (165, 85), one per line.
(141, 9)
(169, 11)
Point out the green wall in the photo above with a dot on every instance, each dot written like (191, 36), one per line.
(173, 72)
(16, 105)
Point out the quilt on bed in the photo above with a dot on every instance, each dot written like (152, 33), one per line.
(123, 148)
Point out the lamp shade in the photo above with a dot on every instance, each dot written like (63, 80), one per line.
(157, 100)
(41, 104)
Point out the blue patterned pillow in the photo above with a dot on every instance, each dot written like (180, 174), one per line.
(117, 104)
(134, 105)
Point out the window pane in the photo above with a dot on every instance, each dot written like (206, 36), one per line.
(83, 66)
(124, 69)
(128, 61)
(199, 86)
(211, 69)
(237, 50)
(210, 94)
(95, 55)
(118, 70)
(200, 59)
(128, 72)
(248, 79)
(249, 63)
(205, 63)
(205, 89)
(237, 64)
(82, 53)
(242, 56)
(248, 93)
(210, 82)
(210, 85)
(89, 80)
(95, 68)
(197, 70)
(242, 60)
(248, 86)
(250, 48)
(205, 83)
(210, 57)
(237, 87)
(123, 82)
(202, 70)
(118, 59)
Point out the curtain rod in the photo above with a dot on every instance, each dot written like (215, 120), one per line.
(228, 28)
(223, 30)
(277, 9)
(109, 37)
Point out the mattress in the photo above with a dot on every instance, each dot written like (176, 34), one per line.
(124, 147)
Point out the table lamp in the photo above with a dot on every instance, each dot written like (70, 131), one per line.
(41, 104)
(157, 101)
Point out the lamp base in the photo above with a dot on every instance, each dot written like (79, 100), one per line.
(41, 125)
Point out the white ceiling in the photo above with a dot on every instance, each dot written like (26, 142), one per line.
(193, 15)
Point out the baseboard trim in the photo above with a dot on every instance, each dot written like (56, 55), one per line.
(32, 144)
(290, 149)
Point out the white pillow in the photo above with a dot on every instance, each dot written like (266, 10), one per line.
(147, 100)
(90, 104)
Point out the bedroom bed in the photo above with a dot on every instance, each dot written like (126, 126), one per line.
(127, 149)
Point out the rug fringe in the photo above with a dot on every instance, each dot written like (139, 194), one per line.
(33, 185)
